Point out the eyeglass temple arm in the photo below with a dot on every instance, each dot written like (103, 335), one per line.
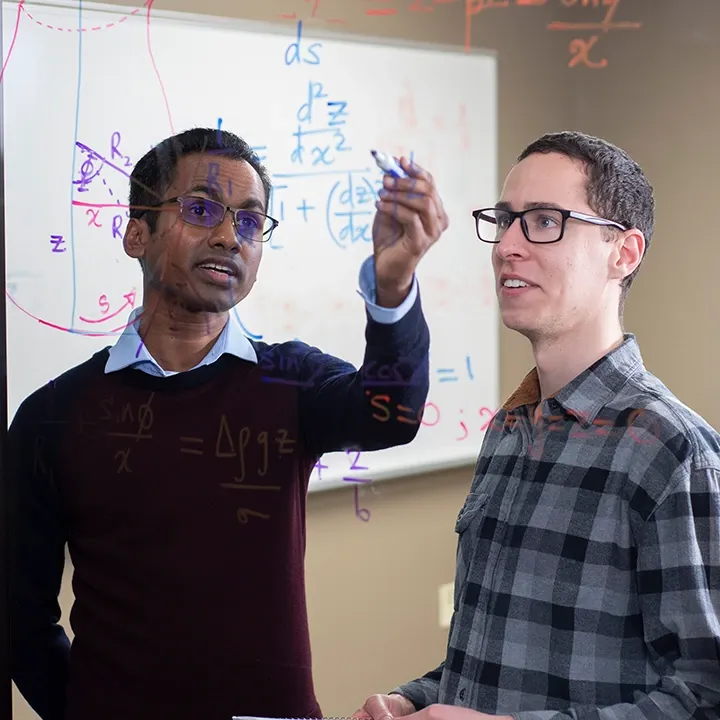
(595, 220)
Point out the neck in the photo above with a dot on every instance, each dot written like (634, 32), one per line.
(562, 358)
(176, 338)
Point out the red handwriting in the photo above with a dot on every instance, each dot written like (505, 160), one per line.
(92, 222)
(414, 6)
(104, 304)
(485, 418)
(381, 12)
(313, 5)
(581, 428)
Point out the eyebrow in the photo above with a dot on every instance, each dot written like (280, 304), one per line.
(503, 205)
(251, 203)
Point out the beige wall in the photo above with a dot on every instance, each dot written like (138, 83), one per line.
(372, 587)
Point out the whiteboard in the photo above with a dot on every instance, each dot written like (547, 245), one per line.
(114, 81)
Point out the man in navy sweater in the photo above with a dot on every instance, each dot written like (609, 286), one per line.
(175, 464)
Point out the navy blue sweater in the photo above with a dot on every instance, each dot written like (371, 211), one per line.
(182, 502)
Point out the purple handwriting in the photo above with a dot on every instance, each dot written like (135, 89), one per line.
(115, 149)
(56, 241)
(397, 374)
(361, 513)
(116, 226)
(213, 183)
(89, 171)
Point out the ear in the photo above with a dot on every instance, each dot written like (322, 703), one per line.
(136, 238)
(627, 254)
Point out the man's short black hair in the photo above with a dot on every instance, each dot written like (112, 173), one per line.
(155, 171)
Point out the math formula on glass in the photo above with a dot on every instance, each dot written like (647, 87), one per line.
(71, 287)
(586, 21)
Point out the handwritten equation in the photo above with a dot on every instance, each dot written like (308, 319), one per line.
(136, 423)
(285, 369)
(469, 424)
(319, 143)
(314, 184)
(253, 454)
(474, 422)
(255, 457)
(98, 173)
(353, 475)
(316, 144)
(598, 18)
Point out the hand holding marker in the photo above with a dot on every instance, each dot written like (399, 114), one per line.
(388, 164)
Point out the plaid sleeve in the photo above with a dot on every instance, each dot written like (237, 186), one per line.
(423, 691)
(678, 578)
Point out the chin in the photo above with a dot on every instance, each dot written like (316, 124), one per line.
(215, 305)
(521, 323)
(515, 320)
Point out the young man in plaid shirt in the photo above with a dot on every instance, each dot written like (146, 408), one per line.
(588, 567)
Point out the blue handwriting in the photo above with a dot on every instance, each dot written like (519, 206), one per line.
(352, 204)
(293, 53)
(244, 329)
(450, 375)
(258, 150)
(327, 140)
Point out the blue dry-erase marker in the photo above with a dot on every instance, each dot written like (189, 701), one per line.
(388, 164)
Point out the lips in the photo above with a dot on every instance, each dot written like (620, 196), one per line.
(516, 283)
(219, 265)
(504, 278)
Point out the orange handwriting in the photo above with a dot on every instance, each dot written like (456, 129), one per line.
(252, 452)
(580, 47)
(140, 419)
(231, 445)
(244, 515)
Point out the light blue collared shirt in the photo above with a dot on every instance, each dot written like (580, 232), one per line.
(130, 351)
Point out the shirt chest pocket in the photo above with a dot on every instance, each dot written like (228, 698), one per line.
(467, 525)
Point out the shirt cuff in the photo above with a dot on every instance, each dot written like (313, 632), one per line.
(383, 315)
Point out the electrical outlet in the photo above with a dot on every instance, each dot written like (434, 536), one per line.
(446, 604)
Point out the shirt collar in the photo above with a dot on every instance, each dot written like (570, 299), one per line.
(591, 390)
(130, 351)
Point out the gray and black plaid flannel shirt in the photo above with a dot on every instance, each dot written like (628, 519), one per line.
(588, 564)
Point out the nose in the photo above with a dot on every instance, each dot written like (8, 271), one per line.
(513, 242)
(224, 236)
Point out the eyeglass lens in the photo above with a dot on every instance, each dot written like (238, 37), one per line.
(203, 212)
(542, 225)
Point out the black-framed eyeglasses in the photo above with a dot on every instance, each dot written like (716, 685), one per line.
(539, 224)
(203, 212)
